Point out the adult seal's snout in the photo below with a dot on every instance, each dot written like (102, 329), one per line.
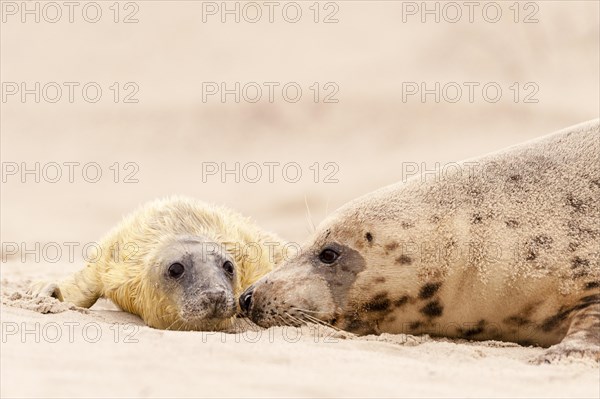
(246, 300)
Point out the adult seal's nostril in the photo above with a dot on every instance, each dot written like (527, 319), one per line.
(246, 300)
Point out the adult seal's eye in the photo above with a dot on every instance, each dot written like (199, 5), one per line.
(176, 270)
(228, 267)
(328, 256)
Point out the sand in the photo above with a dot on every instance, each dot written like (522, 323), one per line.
(107, 353)
(163, 142)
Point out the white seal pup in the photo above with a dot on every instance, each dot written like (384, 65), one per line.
(178, 263)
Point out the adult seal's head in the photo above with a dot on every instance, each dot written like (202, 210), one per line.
(325, 280)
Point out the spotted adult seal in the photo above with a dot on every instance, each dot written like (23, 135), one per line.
(502, 247)
(178, 263)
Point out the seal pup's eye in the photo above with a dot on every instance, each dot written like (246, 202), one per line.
(176, 270)
(328, 256)
(228, 267)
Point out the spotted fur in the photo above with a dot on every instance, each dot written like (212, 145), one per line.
(505, 248)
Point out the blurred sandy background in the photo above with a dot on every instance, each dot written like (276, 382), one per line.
(170, 132)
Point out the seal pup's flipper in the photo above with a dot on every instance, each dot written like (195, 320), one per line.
(81, 289)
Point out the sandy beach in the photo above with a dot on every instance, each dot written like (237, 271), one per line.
(73, 164)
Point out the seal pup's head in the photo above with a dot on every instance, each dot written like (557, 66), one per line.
(181, 264)
(188, 283)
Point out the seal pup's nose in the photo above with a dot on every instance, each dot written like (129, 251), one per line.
(246, 300)
(217, 299)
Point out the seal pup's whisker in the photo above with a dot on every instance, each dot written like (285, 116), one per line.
(244, 320)
(172, 324)
(168, 315)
